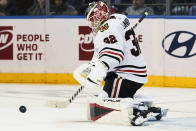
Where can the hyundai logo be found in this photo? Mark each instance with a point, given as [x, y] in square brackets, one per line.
[180, 44]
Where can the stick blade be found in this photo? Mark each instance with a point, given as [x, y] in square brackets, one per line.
[57, 104]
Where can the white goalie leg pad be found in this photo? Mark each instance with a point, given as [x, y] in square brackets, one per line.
[110, 110]
[103, 95]
[146, 100]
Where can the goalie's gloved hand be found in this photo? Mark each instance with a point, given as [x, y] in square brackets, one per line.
[90, 65]
[98, 73]
[86, 71]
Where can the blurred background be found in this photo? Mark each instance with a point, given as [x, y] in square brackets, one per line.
[77, 7]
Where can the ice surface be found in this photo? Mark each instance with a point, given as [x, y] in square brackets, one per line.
[181, 103]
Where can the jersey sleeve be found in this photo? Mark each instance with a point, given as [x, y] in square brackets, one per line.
[111, 55]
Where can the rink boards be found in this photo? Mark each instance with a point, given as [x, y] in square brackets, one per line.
[48, 49]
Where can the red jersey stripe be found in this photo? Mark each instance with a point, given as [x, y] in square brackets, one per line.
[116, 87]
[144, 71]
[110, 52]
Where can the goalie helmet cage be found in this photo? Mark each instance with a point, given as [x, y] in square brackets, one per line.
[108, 3]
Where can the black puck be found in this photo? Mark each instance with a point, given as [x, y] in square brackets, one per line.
[23, 109]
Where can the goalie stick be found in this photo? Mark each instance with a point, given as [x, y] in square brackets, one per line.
[64, 104]
[140, 20]
[80, 79]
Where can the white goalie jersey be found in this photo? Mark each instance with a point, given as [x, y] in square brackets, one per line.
[117, 46]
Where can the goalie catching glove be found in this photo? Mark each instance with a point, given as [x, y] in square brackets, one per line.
[92, 74]
[97, 73]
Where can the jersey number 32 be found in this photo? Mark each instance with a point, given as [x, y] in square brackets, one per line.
[129, 34]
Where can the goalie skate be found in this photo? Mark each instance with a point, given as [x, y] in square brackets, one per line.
[142, 116]
[161, 113]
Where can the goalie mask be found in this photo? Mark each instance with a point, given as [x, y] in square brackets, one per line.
[96, 14]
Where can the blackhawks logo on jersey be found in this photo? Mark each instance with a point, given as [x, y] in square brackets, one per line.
[104, 27]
